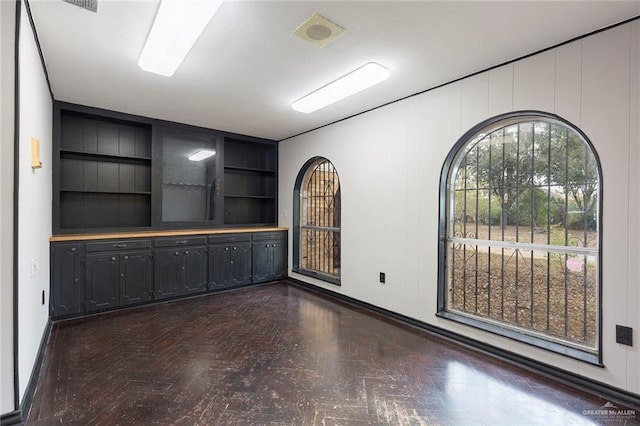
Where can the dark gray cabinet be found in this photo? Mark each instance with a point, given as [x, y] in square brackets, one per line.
[96, 275]
[167, 271]
[229, 261]
[117, 273]
[195, 270]
[269, 256]
[180, 266]
[102, 281]
[67, 279]
[136, 273]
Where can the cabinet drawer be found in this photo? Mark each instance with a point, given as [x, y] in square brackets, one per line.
[229, 238]
[179, 241]
[261, 236]
[117, 245]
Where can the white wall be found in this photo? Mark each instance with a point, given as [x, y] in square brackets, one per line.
[389, 161]
[34, 210]
[7, 64]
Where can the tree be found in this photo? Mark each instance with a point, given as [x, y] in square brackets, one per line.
[573, 167]
[506, 165]
[524, 167]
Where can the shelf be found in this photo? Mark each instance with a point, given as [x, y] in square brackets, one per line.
[74, 153]
[194, 185]
[247, 169]
[96, 210]
[264, 197]
[242, 154]
[82, 191]
[249, 210]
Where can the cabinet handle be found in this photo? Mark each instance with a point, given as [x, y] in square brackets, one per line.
[113, 259]
[226, 249]
[181, 242]
[120, 245]
[73, 249]
[126, 258]
[177, 253]
[267, 245]
[235, 248]
[186, 252]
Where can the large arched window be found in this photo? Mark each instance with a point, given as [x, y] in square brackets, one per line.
[520, 233]
[316, 233]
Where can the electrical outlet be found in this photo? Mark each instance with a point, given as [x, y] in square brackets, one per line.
[624, 335]
[33, 269]
[382, 277]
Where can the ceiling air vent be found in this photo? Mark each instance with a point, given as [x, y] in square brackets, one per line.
[318, 30]
[91, 5]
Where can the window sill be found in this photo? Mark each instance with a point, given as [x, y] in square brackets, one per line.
[571, 352]
[323, 277]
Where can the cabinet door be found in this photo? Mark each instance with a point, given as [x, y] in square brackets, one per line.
[219, 256]
[135, 277]
[194, 269]
[167, 272]
[102, 280]
[240, 264]
[67, 280]
[262, 260]
[279, 259]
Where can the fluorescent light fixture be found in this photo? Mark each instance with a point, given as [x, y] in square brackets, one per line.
[177, 26]
[202, 154]
[360, 79]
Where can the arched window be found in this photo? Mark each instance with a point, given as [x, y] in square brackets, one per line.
[316, 233]
[520, 233]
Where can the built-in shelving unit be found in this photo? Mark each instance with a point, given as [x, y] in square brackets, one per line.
[250, 183]
[116, 172]
[104, 172]
[139, 217]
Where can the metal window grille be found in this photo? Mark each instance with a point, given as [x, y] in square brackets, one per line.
[320, 220]
[522, 232]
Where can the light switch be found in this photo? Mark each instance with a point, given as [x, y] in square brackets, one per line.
[34, 268]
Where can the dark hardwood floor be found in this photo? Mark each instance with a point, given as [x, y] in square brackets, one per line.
[278, 354]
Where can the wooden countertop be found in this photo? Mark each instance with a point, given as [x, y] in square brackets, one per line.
[161, 233]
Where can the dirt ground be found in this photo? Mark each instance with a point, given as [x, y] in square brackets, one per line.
[536, 293]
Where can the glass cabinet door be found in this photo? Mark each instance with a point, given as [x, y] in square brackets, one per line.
[190, 177]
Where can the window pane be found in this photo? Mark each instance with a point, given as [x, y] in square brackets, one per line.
[188, 187]
[319, 220]
[320, 251]
[523, 232]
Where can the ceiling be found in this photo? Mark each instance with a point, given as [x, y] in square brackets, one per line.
[247, 67]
